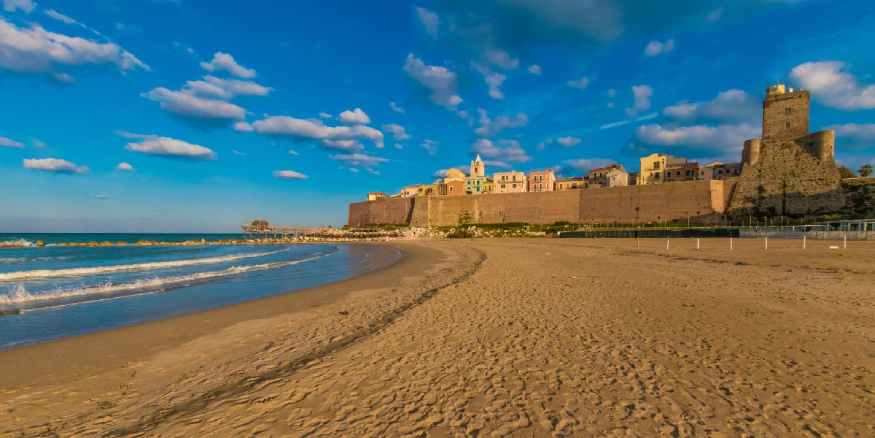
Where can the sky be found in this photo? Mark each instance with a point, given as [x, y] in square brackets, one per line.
[200, 115]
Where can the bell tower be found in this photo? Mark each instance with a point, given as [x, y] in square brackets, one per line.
[478, 168]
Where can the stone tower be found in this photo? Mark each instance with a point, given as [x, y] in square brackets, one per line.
[788, 171]
[785, 113]
[478, 168]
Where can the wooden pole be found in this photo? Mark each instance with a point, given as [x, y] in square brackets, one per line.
[730, 243]
[766, 240]
[697, 244]
[804, 241]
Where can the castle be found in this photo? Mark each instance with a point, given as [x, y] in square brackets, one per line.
[787, 171]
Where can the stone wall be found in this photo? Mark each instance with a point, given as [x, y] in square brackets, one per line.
[700, 201]
[392, 211]
[785, 115]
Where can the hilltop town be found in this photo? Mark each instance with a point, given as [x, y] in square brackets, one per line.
[788, 171]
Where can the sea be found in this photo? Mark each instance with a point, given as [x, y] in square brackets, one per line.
[50, 291]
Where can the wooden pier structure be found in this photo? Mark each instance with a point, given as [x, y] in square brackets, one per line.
[263, 229]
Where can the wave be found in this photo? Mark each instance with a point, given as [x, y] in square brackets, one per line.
[19, 243]
[96, 270]
[19, 298]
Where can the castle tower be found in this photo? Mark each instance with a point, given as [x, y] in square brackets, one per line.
[785, 113]
[478, 168]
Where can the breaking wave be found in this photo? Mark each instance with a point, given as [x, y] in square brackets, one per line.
[19, 298]
[20, 243]
[97, 270]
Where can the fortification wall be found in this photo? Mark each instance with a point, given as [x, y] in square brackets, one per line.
[393, 211]
[701, 201]
[651, 203]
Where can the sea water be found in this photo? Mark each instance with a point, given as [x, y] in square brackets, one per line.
[65, 291]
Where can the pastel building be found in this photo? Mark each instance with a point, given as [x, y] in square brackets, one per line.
[376, 196]
[719, 171]
[613, 175]
[509, 182]
[575, 183]
[476, 182]
[654, 168]
[541, 181]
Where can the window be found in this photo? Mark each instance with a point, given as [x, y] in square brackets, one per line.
[788, 110]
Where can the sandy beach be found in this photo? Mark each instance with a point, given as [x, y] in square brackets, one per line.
[512, 337]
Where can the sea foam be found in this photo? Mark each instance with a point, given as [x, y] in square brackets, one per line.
[97, 270]
[20, 298]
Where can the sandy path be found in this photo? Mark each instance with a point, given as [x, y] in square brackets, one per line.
[548, 337]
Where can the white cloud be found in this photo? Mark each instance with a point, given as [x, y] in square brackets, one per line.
[225, 88]
[167, 147]
[26, 6]
[225, 62]
[568, 141]
[489, 127]
[289, 174]
[585, 164]
[493, 81]
[316, 130]
[36, 50]
[397, 131]
[504, 150]
[431, 146]
[719, 137]
[124, 167]
[243, 127]
[429, 20]
[832, 84]
[729, 105]
[343, 145]
[355, 116]
[626, 122]
[535, 69]
[51, 13]
[39, 144]
[63, 78]
[187, 104]
[580, 84]
[325, 115]
[642, 95]
[397, 108]
[10, 143]
[501, 59]
[856, 135]
[440, 81]
[656, 48]
[359, 159]
[293, 152]
[55, 165]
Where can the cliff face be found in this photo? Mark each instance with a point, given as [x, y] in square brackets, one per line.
[790, 177]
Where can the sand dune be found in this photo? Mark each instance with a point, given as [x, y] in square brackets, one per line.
[533, 337]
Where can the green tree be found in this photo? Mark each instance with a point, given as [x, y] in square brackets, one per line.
[845, 172]
[866, 170]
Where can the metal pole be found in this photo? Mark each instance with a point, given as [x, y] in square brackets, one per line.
[730, 243]
[697, 244]
[845, 240]
[804, 241]
[767, 242]
[667, 243]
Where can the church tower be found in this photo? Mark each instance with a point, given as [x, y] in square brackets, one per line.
[478, 168]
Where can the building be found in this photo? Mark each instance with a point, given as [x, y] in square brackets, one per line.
[718, 170]
[785, 113]
[376, 196]
[476, 182]
[655, 169]
[608, 176]
[541, 180]
[681, 171]
[454, 175]
[418, 190]
[451, 188]
[576, 183]
[509, 182]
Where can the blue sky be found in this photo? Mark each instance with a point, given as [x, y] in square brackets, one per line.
[190, 115]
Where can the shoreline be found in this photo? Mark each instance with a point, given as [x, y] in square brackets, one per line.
[26, 364]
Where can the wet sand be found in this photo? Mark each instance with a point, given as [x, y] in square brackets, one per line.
[515, 337]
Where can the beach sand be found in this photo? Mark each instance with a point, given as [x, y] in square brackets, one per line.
[513, 337]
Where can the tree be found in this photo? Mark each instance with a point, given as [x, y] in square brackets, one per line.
[845, 172]
[866, 171]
